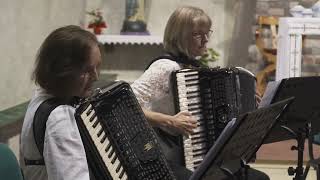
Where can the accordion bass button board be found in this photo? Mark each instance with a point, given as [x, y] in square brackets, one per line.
[119, 142]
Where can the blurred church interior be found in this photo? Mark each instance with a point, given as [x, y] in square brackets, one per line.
[245, 33]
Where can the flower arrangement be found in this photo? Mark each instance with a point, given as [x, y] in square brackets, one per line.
[97, 23]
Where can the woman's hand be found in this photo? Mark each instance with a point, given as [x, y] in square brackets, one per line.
[183, 122]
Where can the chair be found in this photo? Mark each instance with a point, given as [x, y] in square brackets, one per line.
[313, 162]
[9, 167]
[268, 51]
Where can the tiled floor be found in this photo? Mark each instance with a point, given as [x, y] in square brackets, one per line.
[279, 172]
[274, 159]
[281, 151]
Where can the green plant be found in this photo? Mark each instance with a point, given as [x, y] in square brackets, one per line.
[210, 56]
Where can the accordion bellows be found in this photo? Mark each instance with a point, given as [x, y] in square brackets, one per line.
[119, 142]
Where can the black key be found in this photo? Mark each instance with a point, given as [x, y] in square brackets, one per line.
[92, 118]
[100, 132]
[103, 138]
[193, 96]
[191, 92]
[89, 111]
[192, 84]
[113, 159]
[95, 124]
[197, 162]
[108, 147]
[121, 173]
[111, 153]
[118, 168]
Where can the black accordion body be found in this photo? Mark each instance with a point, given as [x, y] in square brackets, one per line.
[118, 141]
[214, 97]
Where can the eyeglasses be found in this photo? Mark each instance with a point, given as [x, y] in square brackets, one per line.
[91, 71]
[200, 36]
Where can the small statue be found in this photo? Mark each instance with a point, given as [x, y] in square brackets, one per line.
[134, 22]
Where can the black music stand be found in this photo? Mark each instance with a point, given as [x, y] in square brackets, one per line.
[238, 143]
[301, 119]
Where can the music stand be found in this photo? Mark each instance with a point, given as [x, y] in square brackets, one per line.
[239, 142]
[301, 119]
[304, 109]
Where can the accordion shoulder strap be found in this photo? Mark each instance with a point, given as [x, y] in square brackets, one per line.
[39, 126]
[181, 59]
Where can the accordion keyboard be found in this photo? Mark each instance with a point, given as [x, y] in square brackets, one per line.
[119, 142]
[103, 144]
[189, 100]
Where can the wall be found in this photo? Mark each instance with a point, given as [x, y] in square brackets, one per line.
[158, 12]
[24, 25]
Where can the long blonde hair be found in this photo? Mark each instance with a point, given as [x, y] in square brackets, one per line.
[178, 31]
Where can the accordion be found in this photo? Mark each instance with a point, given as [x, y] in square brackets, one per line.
[214, 97]
[118, 141]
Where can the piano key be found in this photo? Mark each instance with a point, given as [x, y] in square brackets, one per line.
[195, 148]
[185, 81]
[121, 173]
[198, 136]
[111, 153]
[199, 153]
[191, 100]
[195, 112]
[188, 96]
[187, 72]
[87, 111]
[115, 165]
[118, 168]
[98, 141]
[94, 130]
[92, 120]
[197, 141]
[194, 91]
[102, 148]
[197, 160]
[183, 88]
[95, 124]
[190, 76]
[108, 147]
[103, 138]
[194, 104]
[195, 107]
[100, 132]
[113, 159]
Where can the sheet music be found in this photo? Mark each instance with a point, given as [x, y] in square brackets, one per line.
[269, 93]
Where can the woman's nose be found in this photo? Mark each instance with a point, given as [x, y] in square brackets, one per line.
[95, 75]
[205, 38]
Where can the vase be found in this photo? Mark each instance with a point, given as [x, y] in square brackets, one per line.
[97, 30]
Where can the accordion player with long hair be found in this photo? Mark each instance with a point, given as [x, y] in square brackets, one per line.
[186, 35]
